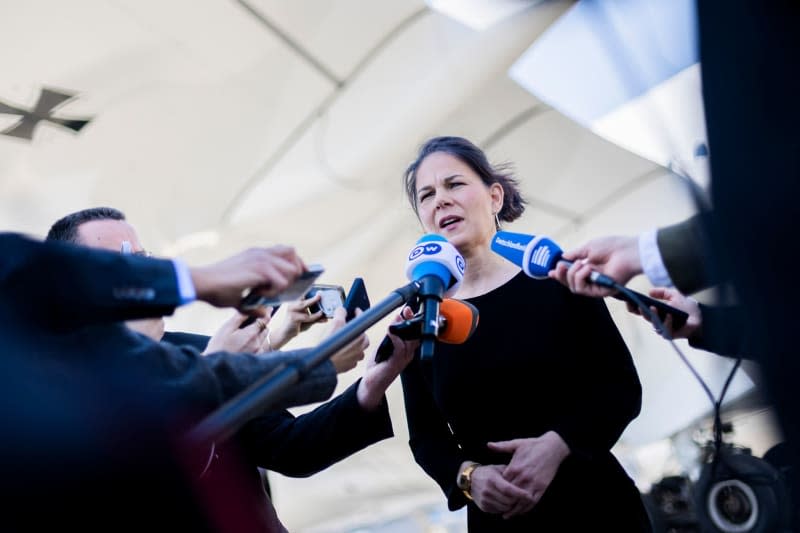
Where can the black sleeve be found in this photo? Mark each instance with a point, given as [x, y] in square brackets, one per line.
[304, 445]
[238, 371]
[687, 254]
[606, 393]
[72, 286]
[196, 384]
[198, 342]
[723, 332]
[434, 447]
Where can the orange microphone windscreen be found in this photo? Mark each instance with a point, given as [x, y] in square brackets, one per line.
[460, 321]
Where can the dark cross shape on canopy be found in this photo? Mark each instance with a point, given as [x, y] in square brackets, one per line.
[49, 100]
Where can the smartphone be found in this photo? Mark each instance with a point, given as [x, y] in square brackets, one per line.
[357, 298]
[663, 309]
[249, 320]
[332, 298]
[294, 292]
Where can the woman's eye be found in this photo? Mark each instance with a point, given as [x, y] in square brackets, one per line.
[424, 197]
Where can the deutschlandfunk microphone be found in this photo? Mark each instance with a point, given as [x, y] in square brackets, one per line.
[538, 255]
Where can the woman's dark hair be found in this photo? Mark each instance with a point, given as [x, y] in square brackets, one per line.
[513, 203]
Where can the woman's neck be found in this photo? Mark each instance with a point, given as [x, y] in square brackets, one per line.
[485, 271]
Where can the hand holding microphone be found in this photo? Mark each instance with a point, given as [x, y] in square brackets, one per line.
[457, 323]
[539, 256]
[379, 374]
[618, 257]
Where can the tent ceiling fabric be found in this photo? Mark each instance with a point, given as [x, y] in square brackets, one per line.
[223, 124]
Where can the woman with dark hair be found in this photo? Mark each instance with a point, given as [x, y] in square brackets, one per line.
[517, 422]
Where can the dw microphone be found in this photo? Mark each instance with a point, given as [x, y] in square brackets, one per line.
[439, 269]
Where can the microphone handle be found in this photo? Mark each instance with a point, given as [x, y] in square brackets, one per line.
[678, 317]
[430, 328]
[408, 331]
[385, 350]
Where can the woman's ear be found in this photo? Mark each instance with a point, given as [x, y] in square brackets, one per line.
[497, 194]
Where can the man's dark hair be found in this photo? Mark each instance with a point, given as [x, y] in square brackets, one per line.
[66, 229]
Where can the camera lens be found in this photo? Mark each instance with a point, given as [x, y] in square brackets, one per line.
[733, 506]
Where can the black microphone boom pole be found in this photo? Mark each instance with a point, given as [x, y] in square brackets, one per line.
[232, 415]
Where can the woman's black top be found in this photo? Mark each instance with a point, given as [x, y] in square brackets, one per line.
[540, 359]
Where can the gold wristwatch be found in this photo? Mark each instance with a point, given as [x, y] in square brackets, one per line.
[464, 479]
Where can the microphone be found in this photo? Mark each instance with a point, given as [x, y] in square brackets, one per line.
[438, 267]
[538, 255]
[457, 322]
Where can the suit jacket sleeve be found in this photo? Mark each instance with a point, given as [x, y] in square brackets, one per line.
[724, 332]
[72, 286]
[180, 338]
[686, 253]
[232, 373]
[304, 445]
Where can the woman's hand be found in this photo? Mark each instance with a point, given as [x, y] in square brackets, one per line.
[348, 357]
[533, 466]
[296, 320]
[250, 339]
[493, 493]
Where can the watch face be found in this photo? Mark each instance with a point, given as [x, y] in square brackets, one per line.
[463, 481]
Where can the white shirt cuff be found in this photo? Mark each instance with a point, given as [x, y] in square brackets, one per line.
[185, 285]
[652, 264]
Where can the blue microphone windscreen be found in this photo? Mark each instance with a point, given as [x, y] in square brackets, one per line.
[430, 268]
[511, 245]
[434, 255]
[542, 257]
[431, 237]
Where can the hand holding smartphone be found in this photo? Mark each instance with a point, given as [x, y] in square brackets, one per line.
[295, 291]
[333, 297]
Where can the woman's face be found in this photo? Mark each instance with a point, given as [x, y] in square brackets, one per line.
[453, 201]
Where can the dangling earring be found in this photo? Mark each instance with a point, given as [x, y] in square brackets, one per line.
[496, 221]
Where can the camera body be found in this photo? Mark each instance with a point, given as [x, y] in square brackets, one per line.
[735, 493]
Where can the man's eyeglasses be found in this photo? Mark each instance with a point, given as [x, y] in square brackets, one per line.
[127, 249]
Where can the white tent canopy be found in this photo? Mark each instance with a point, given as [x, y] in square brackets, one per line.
[221, 124]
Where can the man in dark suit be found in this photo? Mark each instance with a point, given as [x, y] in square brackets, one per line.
[60, 307]
[279, 441]
[749, 52]
[108, 229]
